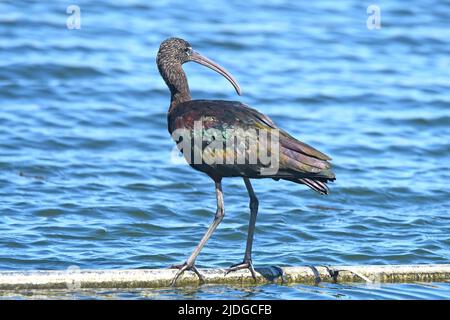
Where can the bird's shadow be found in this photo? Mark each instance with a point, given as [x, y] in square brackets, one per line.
[275, 273]
[272, 273]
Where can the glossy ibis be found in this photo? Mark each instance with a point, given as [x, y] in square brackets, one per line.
[296, 161]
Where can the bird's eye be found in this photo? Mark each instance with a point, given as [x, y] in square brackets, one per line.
[188, 50]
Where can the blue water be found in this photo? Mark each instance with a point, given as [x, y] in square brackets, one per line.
[85, 175]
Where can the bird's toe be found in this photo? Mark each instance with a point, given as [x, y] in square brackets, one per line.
[246, 264]
[182, 268]
[177, 266]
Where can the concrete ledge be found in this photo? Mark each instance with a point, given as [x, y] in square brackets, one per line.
[73, 279]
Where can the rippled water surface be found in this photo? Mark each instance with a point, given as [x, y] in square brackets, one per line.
[85, 171]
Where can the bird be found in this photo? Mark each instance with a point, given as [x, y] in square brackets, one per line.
[217, 122]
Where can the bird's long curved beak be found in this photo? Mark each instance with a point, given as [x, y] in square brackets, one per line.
[197, 57]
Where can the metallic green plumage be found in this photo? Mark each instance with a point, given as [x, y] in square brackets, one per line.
[297, 160]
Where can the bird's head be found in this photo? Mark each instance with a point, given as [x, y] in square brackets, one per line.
[175, 51]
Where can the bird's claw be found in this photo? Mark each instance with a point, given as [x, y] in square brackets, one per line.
[246, 264]
[181, 269]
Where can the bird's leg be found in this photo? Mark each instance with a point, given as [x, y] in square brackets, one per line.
[247, 263]
[189, 264]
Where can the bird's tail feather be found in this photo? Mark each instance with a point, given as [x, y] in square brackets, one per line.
[316, 185]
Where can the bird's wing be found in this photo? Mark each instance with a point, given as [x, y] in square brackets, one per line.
[296, 159]
[299, 162]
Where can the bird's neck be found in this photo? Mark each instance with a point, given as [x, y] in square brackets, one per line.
[176, 80]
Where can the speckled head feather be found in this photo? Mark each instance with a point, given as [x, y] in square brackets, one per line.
[173, 52]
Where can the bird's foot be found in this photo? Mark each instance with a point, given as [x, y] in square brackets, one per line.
[246, 264]
[182, 268]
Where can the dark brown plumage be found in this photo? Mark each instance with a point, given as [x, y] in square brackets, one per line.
[297, 161]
